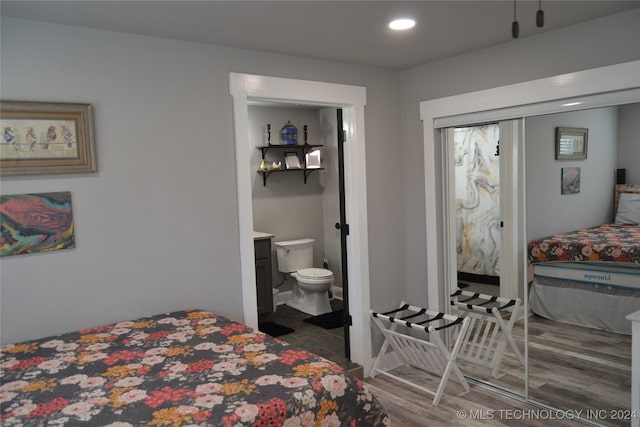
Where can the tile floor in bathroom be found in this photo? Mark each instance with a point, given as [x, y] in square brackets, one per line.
[328, 343]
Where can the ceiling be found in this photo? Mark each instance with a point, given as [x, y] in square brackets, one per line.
[339, 30]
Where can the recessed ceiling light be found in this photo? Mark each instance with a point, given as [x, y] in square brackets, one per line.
[402, 24]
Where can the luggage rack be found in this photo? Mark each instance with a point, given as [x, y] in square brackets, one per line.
[486, 339]
[426, 353]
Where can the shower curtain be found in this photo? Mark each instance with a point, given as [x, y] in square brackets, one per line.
[477, 187]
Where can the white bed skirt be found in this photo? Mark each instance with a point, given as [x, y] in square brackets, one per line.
[585, 304]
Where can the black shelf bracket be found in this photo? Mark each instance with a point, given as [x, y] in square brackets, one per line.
[306, 172]
[265, 175]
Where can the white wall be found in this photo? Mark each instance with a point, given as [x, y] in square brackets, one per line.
[597, 43]
[629, 141]
[156, 226]
[549, 211]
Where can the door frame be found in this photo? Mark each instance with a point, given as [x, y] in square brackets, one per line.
[511, 187]
[598, 87]
[352, 99]
[343, 226]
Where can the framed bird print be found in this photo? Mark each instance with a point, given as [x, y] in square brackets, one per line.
[41, 138]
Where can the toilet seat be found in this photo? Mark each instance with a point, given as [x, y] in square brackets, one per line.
[320, 274]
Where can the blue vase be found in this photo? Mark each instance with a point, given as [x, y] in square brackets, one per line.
[289, 134]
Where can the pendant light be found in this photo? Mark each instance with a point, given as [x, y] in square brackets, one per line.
[540, 15]
[515, 27]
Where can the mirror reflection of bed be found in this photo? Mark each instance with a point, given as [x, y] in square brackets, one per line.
[583, 284]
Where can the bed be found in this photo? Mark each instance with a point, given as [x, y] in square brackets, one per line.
[590, 277]
[183, 368]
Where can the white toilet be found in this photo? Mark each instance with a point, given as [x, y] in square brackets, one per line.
[311, 292]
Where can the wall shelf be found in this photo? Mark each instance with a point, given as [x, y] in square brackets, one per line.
[307, 172]
[301, 151]
[304, 148]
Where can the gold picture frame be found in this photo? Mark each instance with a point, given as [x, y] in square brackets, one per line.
[42, 138]
[571, 143]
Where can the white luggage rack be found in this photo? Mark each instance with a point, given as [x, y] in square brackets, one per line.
[429, 353]
[486, 338]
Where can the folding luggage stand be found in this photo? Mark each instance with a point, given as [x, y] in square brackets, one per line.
[429, 354]
[488, 334]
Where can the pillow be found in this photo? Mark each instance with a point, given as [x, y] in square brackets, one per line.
[628, 209]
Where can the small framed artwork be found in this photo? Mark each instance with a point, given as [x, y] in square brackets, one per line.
[312, 160]
[36, 223]
[570, 180]
[571, 143]
[41, 138]
[291, 160]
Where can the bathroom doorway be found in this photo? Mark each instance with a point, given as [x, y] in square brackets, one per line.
[480, 207]
[247, 89]
[474, 153]
[297, 201]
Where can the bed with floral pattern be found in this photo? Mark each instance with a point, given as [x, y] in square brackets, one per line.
[183, 368]
[591, 276]
[608, 242]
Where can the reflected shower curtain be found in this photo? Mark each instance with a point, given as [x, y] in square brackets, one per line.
[477, 179]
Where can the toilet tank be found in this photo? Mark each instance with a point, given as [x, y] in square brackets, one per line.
[294, 255]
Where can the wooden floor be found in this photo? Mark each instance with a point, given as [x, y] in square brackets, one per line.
[581, 370]
[592, 368]
[570, 367]
[477, 407]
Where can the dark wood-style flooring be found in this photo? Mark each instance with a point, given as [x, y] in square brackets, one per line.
[328, 343]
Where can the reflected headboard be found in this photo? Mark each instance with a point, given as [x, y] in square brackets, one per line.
[625, 188]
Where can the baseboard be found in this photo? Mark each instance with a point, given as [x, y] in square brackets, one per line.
[336, 292]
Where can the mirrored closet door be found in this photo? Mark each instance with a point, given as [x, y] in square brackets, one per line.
[579, 341]
[505, 187]
[482, 274]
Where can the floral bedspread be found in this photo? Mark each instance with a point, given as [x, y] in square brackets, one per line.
[608, 242]
[182, 368]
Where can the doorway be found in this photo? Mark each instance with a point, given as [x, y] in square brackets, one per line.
[247, 87]
[298, 201]
[474, 159]
[481, 177]
[482, 183]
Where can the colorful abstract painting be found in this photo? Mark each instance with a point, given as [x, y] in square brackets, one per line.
[570, 180]
[32, 223]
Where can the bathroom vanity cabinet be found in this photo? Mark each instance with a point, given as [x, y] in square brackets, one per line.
[262, 248]
[281, 150]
